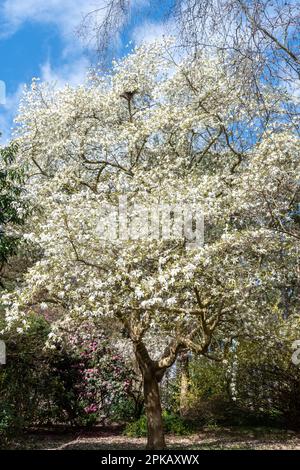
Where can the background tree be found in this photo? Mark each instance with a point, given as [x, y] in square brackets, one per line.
[263, 34]
[12, 204]
[256, 39]
[101, 26]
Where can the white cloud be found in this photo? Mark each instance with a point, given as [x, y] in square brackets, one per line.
[73, 73]
[66, 14]
[151, 31]
[8, 112]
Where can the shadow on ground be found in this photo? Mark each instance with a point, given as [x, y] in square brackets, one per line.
[111, 438]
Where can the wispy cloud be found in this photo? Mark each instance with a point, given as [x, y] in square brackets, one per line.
[7, 113]
[149, 31]
[66, 14]
[73, 73]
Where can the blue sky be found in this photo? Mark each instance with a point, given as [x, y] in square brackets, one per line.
[38, 39]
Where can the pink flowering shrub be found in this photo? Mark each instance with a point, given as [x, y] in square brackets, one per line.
[103, 380]
[80, 382]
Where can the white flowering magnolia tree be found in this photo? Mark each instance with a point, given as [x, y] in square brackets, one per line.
[160, 132]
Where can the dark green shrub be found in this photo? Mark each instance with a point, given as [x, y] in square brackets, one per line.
[6, 420]
[137, 428]
[173, 424]
[128, 408]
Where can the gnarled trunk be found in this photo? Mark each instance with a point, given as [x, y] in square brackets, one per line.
[151, 377]
[156, 438]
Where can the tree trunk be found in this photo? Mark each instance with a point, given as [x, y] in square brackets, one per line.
[184, 383]
[156, 438]
[151, 377]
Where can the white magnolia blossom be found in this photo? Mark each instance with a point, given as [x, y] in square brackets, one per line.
[171, 133]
